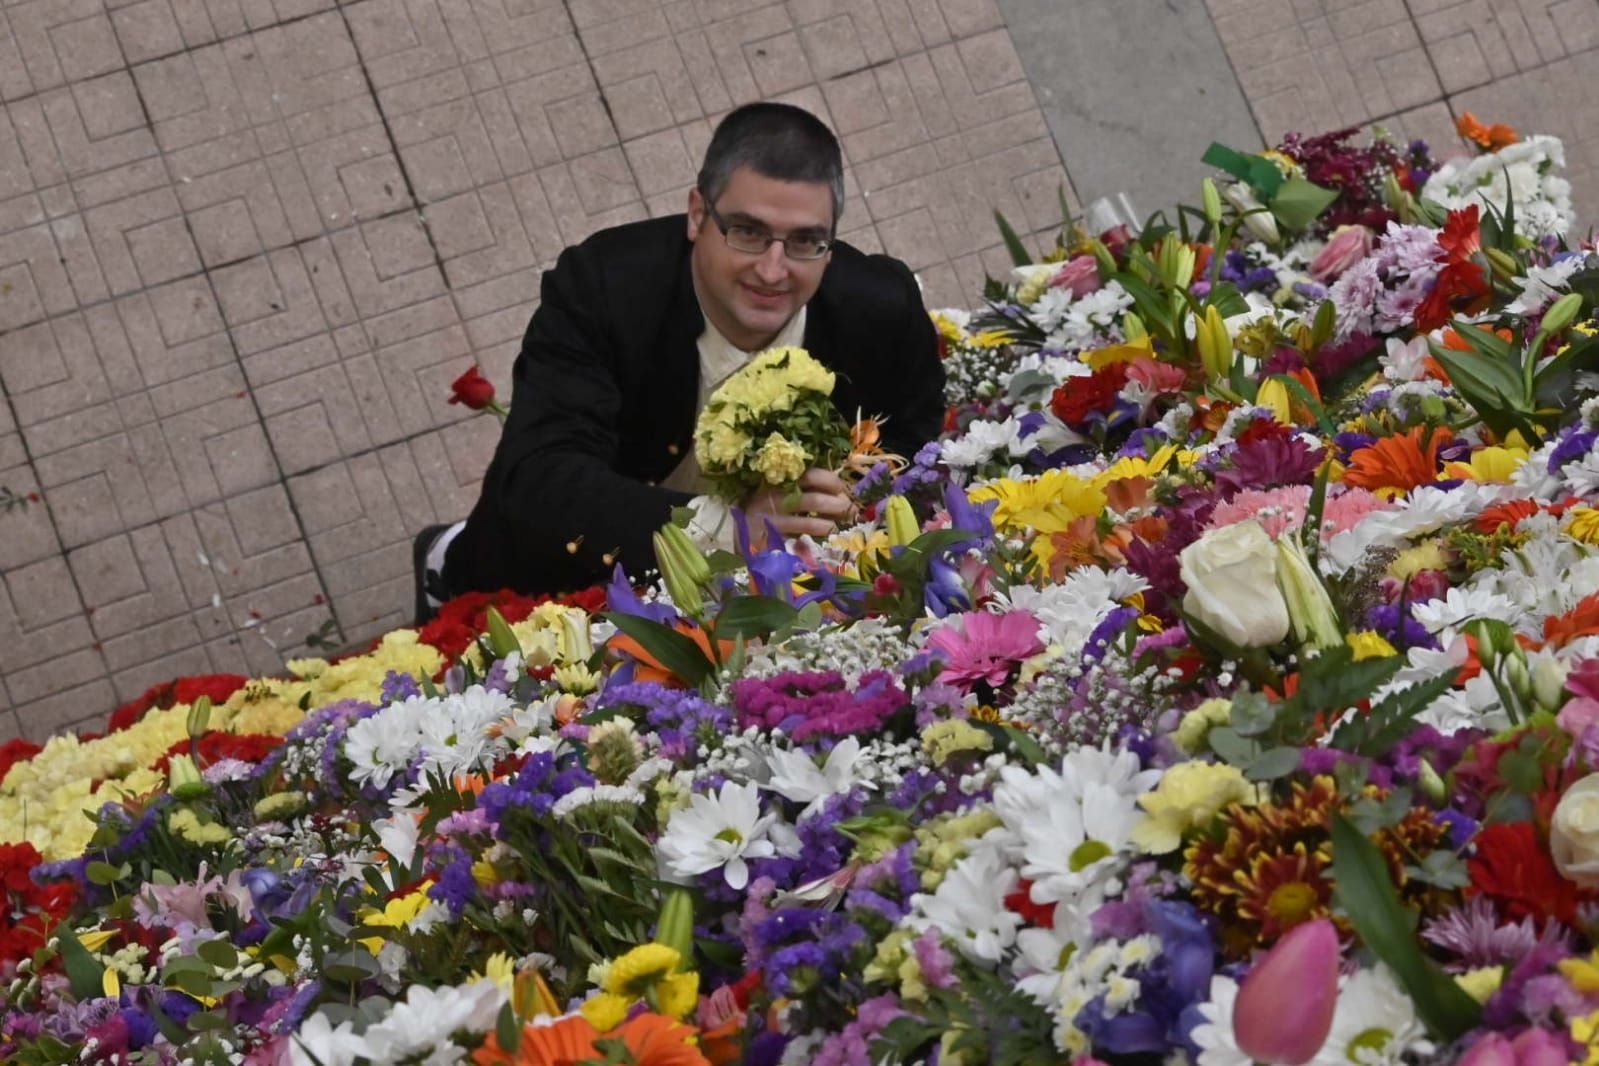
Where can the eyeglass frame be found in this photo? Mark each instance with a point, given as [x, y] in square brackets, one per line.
[771, 238]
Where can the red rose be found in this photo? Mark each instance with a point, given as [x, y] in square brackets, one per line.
[472, 390]
[1079, 398]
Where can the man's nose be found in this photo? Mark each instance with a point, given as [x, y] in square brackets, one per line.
[772, 266]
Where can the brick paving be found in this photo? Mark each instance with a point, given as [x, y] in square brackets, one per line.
[245, 245]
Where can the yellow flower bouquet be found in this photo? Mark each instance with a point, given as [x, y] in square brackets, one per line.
[768, 423]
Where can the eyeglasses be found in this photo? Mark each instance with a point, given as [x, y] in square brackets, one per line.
[755, 240]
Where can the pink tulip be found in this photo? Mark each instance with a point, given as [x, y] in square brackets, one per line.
[1534, 1047]
[1080, 274]
[1285, 1006]
[1348, 246]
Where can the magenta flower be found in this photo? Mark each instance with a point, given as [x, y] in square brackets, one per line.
[1285, 1006]
[978, 646]
[1534, 1047]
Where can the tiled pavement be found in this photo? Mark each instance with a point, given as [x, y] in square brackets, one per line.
[245, 245]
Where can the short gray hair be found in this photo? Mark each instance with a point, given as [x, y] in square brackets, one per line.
[776, 141]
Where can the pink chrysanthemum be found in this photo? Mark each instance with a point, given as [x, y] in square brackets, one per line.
[978, 646]
[1344, 510]
[1277, 509]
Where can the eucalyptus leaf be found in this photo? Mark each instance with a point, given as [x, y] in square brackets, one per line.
[1270, 765]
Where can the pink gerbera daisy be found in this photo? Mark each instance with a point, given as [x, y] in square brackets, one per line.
[978, 646]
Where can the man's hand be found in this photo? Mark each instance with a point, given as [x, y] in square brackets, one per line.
[823, 501]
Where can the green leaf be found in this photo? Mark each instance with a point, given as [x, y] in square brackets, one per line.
[218, 953]
[1387, 928]
[1390, 720]
[506, 1030]
[1554, 384]
[667, 646]
[1252, 714]
[1231, 747]
[103, 873]
[1278, 762]
[1013, 244]
[753, 616]
[1313, 512]
[1298, 202]
[1329, 683]
[85, 975]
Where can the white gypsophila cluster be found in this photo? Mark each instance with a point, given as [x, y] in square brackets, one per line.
[1524, 174]
[870, 644]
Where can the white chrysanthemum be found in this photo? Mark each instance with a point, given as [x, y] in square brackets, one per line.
[322, 1043]
[969, 907]
[1214, 1037]
[723, 832]
[427, 1017]
[1461, 605]
[454, 739]
[1375, 1023]
[1425, 510]
[1523, 173]
[385, 743]
[1543, 285]
[984, 440]
[795, 775]
[1068, 612]
[1474, 705]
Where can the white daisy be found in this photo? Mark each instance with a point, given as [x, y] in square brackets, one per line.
[723, 832]
[1218, 1046]
[1375, 1023]
[427, 1017]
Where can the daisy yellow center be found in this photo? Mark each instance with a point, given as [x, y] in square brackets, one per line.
[731, 836]
[1292, 903]
[1087, 853]
[1374, 1040]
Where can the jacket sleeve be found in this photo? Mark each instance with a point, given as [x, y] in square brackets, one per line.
[916, 414]
[556, 476]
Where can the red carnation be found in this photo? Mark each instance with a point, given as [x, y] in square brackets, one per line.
[1080, 398]
[1039, 915]
[473, 390]
[15, 751]
[1513, 867]
[28, 910]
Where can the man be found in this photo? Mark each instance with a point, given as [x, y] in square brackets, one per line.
[636, 327]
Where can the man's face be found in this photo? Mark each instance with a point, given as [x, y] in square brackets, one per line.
[750, 296]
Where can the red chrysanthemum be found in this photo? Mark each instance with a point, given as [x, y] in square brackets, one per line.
[1514, 869]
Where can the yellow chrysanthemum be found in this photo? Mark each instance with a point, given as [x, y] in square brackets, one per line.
[1582, 523]
[1369, 644]
[636, 972]
[606, 1011]
[678, 994]
[1428, 555]
[186, 824]
[944, 739]
[1189, 795]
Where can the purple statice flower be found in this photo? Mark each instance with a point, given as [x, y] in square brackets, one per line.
[399, 686]
[1310, 291]
[1477, 937]
[1574, 444]
[1385, 619]
[852, 1045]
[1109, 629]
[938, 968]
[922, 471]
[455, 886]
[535, 789]
[680, 719]
[885, 887]
[820, 703]
[927, 792]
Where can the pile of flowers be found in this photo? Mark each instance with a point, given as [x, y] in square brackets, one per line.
[1222, 687]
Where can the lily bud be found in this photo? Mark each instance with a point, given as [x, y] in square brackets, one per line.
[1432, 786]
[1562, 313]
[1174, 261]
[1310, 609]
[685, 593]
[1503, 263]
[576, 645]
[1260, 223]
[1284, 1009]
[1212, 197]
[1133, 327]
[1549, 682]
[1273, 395]
[901, 520]
[1215, 345]
[183, 778]
[676, 926]
[199, 722]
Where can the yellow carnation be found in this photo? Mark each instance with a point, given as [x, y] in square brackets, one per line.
[719, 444]
[187, 825]
[1190, 794]
[1197, 724]
[780, 461]
[944, 739]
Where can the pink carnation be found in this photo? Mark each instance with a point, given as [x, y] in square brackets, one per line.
[1345, 510]
[1277, 509]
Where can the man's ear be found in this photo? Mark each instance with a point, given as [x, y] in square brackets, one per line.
[696, 213]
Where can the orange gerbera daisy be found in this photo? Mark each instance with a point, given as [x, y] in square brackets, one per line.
[651, 1040]
[1581, 621]
[1492, 137]
[1398, 464]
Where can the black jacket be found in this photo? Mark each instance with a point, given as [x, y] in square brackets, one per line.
[604, 393]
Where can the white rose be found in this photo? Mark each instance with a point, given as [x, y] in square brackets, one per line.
[1231, 575]
[1574, 833]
